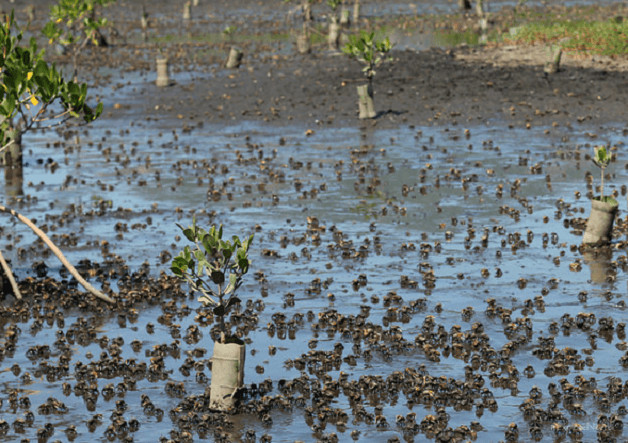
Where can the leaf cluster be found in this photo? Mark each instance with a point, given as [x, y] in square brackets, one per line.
[368, 50]
[75, 22]
[601, 157]
[213, 266]
[29, 85]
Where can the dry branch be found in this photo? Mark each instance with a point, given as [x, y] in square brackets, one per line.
[41, 234]
[9, 273]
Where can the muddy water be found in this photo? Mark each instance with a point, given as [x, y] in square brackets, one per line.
[345, 219]
[402, 201]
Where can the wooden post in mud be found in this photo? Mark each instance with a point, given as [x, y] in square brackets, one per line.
[162, 72]
[187, 13]
[552, 65]
[303, 40]
[234, 59]
[464, 5]
[366, 106]
[333, 38]
[356, 11]
[195, 3]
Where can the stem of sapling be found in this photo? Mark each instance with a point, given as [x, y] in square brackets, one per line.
[602, 184]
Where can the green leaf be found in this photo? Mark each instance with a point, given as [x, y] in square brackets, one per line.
[601, 157]
[243, 264]
[210, 244]
[189, 234]
[180, 263]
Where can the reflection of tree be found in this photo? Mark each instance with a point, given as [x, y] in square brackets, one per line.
[599, 262]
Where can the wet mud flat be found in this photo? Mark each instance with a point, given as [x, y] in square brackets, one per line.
[414, 277]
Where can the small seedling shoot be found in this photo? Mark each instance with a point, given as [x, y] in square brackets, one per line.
[601, 158]
[213, 267]
[229, 31]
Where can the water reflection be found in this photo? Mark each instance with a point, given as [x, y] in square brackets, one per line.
[599, 262]
[13, 170]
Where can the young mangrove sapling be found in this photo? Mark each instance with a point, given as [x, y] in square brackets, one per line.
[371, 52]
[213, 267]
[599, 228]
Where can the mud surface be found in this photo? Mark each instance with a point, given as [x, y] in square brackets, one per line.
[418, 276]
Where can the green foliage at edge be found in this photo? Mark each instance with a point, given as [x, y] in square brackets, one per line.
[29, 85]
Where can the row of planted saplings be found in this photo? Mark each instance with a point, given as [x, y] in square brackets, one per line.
[364, 47]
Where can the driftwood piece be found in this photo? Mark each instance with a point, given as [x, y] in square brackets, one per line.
[9, 274]
[41, 234]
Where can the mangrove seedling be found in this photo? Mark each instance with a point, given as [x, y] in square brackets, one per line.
[599, 229]
[602, 159]
[214, 268]
[371, 52]
[229, 31]
[75, 23]
[235, 54]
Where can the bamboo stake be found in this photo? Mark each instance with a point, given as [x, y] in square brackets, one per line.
[41, 234]
[7, 271]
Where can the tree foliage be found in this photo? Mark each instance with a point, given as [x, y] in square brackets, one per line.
[214, 267]
[75, 23]
[368, 50]
[30, 86]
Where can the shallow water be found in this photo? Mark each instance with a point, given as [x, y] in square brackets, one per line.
[379, 188]
[335, 168]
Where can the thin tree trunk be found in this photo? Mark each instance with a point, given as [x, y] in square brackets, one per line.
[41, 234]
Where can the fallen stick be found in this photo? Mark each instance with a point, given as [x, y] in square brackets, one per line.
[41, 234]
[9, 273]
